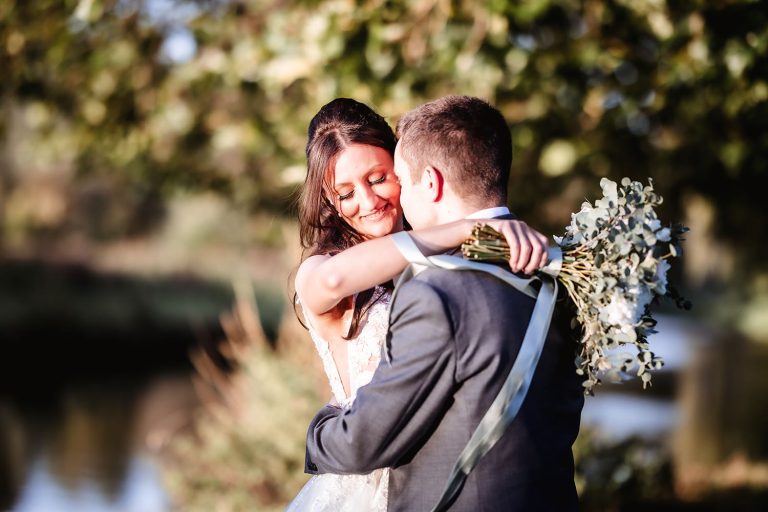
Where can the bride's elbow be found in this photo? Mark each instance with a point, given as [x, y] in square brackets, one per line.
[331, 282]
[320, 295]
[330, 289]
[318, 285]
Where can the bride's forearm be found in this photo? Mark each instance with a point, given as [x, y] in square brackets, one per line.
[321, 285]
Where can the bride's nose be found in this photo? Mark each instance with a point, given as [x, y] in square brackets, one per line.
[368, 200]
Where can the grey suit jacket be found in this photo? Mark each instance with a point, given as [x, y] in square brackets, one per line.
[453, 338]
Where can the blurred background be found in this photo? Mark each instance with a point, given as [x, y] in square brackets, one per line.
[150, 155]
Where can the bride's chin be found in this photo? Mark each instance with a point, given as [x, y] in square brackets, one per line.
[378, 233]
[382, 228]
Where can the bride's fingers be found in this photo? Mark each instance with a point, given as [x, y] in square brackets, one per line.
[545, 254]
[512, 241]
[537, 249]
[525, 247]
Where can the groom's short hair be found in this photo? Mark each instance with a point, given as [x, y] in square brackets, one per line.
[466, 139]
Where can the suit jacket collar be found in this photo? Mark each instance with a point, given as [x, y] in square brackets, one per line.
[489, 213]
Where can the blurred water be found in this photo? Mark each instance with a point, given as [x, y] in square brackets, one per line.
[91, 447]
[618, 416]
[95, 380]
[140, 491]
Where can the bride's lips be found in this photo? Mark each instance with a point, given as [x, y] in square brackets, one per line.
[378, 214]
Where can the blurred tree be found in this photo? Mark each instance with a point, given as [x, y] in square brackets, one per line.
[117, 106]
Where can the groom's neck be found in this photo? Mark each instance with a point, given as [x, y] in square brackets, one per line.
[457, 210]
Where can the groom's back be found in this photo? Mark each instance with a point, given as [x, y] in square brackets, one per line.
[531, 467]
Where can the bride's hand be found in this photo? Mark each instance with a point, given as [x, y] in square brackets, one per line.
[527, 247]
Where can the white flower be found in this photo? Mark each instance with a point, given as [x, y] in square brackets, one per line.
[660, 286]
[620, 311]
[609, 187]
[663, 235]
[654, 225]
[642, 297]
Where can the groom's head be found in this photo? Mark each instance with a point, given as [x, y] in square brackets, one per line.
[453, 157]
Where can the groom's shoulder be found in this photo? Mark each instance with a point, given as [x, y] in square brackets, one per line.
[464, 296]
[465, 283]
[440, 277]
[431, 286]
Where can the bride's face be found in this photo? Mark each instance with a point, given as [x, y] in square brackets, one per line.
[366, 191]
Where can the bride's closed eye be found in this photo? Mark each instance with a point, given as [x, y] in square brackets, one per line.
[371, 182]
[378, 180]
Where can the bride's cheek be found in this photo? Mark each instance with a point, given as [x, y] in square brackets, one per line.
[347, 211]
[393, 191]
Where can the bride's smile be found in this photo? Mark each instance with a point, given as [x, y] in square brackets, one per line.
[378, 214]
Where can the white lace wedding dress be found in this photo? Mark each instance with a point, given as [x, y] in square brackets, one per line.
[350, 493]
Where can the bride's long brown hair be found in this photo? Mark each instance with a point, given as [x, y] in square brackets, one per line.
[337, 125]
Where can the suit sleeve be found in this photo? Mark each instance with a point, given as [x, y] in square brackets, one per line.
[393, 414]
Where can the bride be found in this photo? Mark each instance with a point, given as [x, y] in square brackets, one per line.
[350, 202]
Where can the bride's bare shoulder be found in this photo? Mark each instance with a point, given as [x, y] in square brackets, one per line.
[306, 270]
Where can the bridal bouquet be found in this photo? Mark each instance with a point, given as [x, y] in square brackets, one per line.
[615, 258]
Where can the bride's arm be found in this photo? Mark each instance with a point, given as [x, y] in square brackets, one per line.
[322, 281]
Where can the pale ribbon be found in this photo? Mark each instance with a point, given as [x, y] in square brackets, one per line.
[512, 394]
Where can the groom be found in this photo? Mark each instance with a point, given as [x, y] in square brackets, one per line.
[453, 337]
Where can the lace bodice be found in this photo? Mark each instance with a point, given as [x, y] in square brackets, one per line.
[363, 351]
[330, 492]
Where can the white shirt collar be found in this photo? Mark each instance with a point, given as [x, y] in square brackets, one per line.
[489, 213]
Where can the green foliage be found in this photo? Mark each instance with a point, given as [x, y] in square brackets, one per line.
[675, 91]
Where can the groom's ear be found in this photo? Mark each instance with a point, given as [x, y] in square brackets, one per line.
[433, 182]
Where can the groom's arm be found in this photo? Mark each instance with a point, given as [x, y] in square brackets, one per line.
[406, 398]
